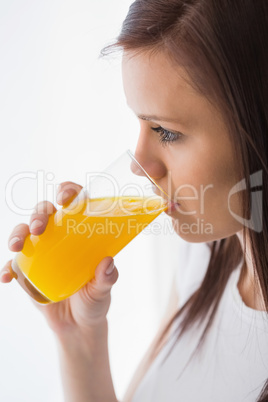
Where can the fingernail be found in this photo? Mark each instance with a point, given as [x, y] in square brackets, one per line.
[36, 224]
[13, 241]
[60, 198]
[110, 269]
[63, 196]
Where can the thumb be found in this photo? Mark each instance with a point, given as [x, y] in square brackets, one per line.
[106, 275]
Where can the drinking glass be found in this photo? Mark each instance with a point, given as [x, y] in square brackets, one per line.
[112, 208]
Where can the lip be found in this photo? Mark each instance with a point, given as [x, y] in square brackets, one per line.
[172, 207]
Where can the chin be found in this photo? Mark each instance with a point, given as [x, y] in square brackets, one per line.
[199, 231]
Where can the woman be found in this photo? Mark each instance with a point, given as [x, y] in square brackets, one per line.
[195, 73]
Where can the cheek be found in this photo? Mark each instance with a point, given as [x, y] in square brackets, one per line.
[202, 179]
[204, 214]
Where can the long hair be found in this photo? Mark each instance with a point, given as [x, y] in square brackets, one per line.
[223, 45]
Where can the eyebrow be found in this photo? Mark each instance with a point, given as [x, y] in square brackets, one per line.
[158, 118]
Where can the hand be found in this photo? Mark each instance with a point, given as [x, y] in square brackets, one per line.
[88, 307]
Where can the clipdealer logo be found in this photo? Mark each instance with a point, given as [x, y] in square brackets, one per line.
[255, 222]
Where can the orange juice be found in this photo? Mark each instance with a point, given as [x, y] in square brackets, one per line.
[57, 263]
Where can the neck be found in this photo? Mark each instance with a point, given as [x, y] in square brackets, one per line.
[248, 284]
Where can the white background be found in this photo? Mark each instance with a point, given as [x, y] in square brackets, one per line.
[62, 114]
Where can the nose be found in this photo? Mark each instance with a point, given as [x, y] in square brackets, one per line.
[151, 167]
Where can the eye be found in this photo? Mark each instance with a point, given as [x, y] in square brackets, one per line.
[166, 136]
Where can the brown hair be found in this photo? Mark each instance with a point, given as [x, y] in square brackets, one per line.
[223, 46]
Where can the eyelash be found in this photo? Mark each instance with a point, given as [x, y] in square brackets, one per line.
[166, 136]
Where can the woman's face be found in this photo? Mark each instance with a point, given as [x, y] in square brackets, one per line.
[184, 146]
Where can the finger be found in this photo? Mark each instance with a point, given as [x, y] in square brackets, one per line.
[7, 274]
[106, 276]
[39, 218]
[17, 237]
[67, 191]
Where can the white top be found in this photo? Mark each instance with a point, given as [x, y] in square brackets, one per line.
[233, 364]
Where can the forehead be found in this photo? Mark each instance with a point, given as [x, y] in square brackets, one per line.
[154, 85]
[157, 64]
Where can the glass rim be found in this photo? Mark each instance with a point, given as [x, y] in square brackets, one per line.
[130, 153]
